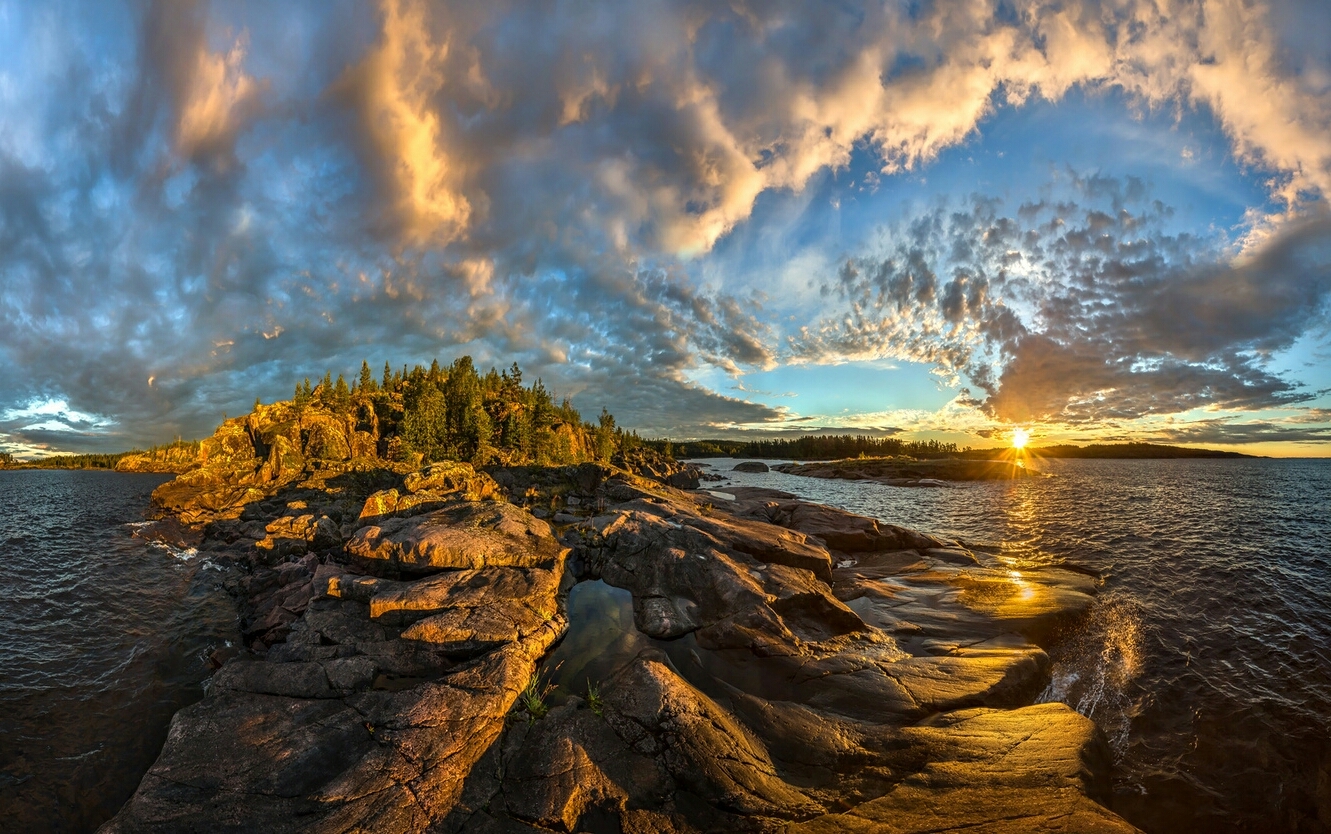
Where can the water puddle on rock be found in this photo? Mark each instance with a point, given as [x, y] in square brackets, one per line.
[601, 639]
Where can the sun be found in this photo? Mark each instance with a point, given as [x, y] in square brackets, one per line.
[1019, 438]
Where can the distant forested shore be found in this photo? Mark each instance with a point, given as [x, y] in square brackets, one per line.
[105, 460]
[836, 447]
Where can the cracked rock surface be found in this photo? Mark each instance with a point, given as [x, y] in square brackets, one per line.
[795, 668]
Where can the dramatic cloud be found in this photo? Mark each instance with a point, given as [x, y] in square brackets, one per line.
[1069, 313]
[222, 198]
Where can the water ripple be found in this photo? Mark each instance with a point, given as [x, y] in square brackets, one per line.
[104, 637]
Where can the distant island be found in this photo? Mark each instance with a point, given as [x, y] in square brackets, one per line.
[1126, 451]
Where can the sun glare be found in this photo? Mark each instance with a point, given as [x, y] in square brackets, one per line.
[1019, 438]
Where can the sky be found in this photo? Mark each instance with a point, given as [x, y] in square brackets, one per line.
[1100, 220]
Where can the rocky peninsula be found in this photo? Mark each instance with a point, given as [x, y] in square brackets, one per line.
[911, 472]
[804, 669]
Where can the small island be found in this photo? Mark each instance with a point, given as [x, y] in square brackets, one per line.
[403, 554]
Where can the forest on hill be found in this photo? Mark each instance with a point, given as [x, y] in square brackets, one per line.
[454, 412]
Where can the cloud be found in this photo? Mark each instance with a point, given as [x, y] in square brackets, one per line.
[1082, 312]
[1229, 432]
[393, 88]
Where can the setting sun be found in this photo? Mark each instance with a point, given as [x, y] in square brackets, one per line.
[1019, 438]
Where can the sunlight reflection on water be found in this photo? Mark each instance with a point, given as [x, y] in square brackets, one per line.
[1208, 660]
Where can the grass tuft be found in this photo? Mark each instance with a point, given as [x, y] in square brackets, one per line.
[594, 701]
[532, 698]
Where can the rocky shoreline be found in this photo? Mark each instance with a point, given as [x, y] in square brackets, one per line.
[808, 670]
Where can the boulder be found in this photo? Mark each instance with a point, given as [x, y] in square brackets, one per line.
[364, 445]
[230, 444]
[687, 571]
[324, 436]
[465, 534]
[751, 466]
[449, 477]
[296, 535]
[660, 468]
[284, 460]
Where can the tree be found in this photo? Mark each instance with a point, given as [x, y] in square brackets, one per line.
[425, 427]
[341, 395]
[366, 378]
[469, 426]
[605, 436]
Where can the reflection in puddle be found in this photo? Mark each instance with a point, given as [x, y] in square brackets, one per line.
[601, 638]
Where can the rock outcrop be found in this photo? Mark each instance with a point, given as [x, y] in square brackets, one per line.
[649, 464]
[800, 669]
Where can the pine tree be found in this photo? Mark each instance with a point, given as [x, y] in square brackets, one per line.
[366, 378]
[341, 394]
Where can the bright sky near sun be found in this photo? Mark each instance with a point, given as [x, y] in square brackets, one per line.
[1095, 220]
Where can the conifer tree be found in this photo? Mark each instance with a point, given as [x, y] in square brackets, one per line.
[341, 394]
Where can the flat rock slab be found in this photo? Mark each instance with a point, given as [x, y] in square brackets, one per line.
[950, 603]
[837, 529]
[1021, 770]
[468, 534]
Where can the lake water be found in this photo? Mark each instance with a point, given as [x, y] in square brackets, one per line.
[103, 636]
[1208, 661]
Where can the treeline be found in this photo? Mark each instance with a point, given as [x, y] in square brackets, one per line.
[456, 413]
[95, 461]
[105, 460]
[810, 447]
